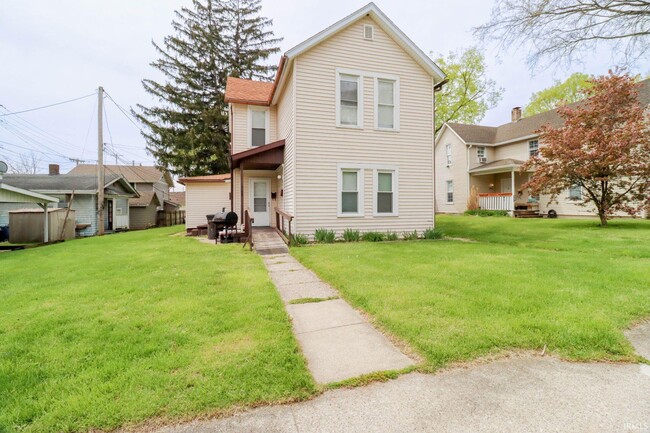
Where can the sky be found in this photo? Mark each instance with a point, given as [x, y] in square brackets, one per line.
[53, 51]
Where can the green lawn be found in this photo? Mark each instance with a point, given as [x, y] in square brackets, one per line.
[103, 332]
[522, 284]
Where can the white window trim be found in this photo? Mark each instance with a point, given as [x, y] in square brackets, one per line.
[267, 124]
[359, 76]
[529, 149]
[478, 155]
[371, 31]
[339, 189]
[573, 200]
[447, 191]
[396, 106]
[448, 156]
[375, 190]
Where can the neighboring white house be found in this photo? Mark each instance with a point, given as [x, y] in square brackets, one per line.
[205, 195]
[344, 137]
[490, 158]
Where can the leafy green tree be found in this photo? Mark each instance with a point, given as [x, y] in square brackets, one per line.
[573, 89]
[469, 93]
[187, 130]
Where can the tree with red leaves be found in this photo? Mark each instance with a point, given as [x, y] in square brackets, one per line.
[603, 147]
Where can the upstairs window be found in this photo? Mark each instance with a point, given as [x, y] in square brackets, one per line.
[575, 192]
[480, 153]
[258, 127]
[349, 100]
[448, 152]
[386, 98]
[368, 32]
[533, 147]
[450, 191]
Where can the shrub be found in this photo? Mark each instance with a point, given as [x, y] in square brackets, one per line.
[324, 236]
[487, 213]
[391, 236]
[350, 235]
[300, 239]
[373, 236]
[410, 236]
[432, 233]
[472, 200]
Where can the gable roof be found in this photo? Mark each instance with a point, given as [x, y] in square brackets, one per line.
[177, 197]
[132, 173]
[209, 178]
[250, 92]
[265, 93]
[386, 24]
[527, 126]
[65, 183]
[145, 199]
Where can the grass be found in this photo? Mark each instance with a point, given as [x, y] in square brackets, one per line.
[566, 284]
[103, 332]
[311, 300]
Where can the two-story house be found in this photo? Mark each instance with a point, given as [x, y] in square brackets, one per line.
[152, 184]
[489, 159]
[343, 137]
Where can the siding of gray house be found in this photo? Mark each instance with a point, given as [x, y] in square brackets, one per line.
[143, 217]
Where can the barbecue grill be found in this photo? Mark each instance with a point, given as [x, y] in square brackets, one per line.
[226, 221]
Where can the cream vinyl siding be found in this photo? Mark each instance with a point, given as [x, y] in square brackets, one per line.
[517, 150]
[321, 146]
[205, 198]
[286, 130]
[240, 125]
[457, 172]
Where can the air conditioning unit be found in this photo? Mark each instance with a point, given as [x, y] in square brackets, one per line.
[482, 160]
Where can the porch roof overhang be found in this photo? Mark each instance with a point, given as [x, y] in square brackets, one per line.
[267, 157]
[498, 166]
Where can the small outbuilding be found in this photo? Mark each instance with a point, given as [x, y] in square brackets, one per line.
[205, 195]
[28, 225]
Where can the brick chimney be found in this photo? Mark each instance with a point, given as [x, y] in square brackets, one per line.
[516, 114]
[54, 169]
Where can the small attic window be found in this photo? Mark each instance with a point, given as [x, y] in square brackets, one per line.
[368, 32]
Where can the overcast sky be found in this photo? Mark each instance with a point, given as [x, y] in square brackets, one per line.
[53, 51]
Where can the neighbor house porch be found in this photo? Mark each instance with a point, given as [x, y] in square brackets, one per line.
[500, 187]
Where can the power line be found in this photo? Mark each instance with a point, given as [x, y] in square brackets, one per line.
[47, 106]
[124, 112]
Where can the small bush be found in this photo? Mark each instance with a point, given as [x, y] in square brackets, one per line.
[391, 236]
[373, 236]
[350, 235]
[300, 239]
[410, 236]
[432, 233]
[487, 213]
[324, 236]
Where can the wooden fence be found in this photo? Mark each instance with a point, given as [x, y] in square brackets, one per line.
[172, 218]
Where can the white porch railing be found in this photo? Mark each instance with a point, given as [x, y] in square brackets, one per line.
[495, 201]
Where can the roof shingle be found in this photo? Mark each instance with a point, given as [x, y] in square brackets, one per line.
[248, 91]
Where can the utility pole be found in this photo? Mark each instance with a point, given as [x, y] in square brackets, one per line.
[100, 161]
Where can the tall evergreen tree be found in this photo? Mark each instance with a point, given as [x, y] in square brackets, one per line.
[187, 132]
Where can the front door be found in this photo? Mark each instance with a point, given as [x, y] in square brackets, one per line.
[506, 185]
[260, 201]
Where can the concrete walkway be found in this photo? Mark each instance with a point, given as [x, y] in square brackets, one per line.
[511, 395]
[336, 340]
[267, 241]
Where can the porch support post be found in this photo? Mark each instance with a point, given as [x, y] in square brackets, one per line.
[512, 188]
[241, 189]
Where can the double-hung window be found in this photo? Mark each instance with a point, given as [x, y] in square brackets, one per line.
[386, 101]
[349, 193]
[258, 127]
[448, 152]
[480, 153]
[385, 203]
[533, 147]
[450, 191]
[575, 192]
[349, 107]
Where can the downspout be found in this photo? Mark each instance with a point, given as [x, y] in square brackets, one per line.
[469, 176]
[436, 89]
